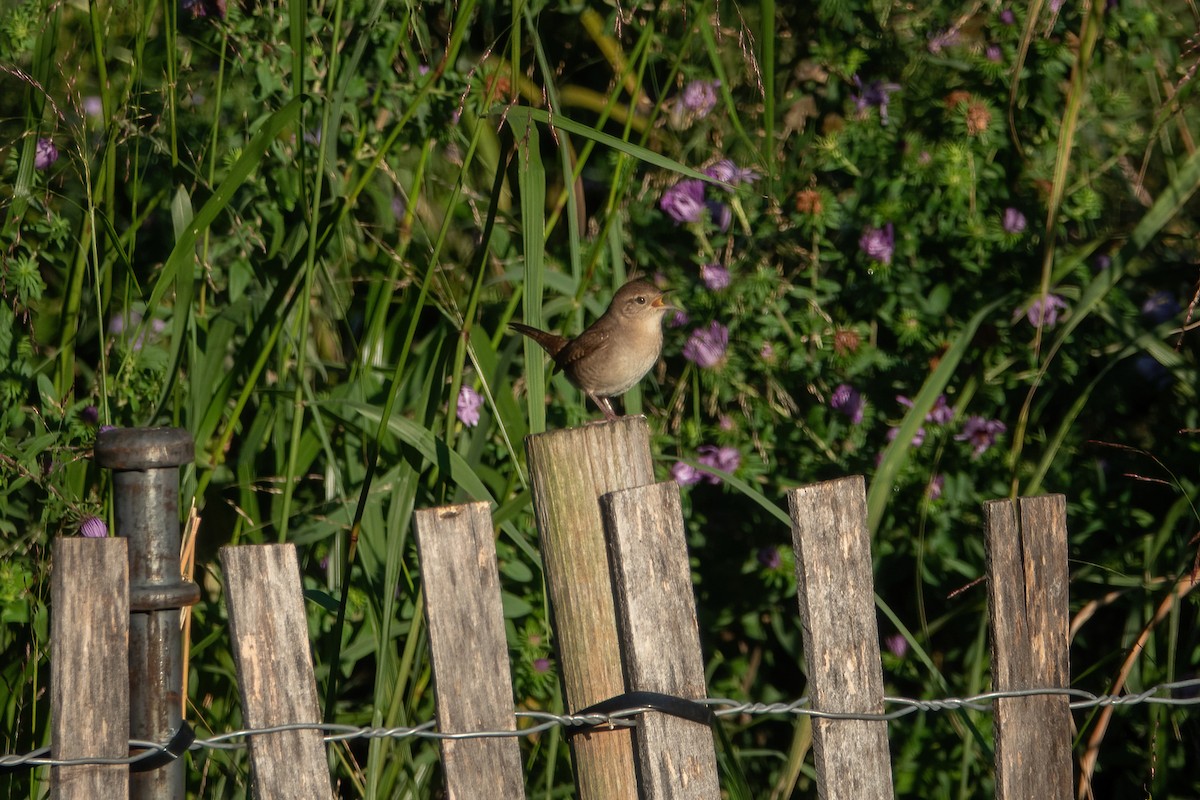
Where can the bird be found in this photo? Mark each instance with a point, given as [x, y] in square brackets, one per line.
[616, 350]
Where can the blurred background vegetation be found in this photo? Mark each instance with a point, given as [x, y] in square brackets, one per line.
[953, 248]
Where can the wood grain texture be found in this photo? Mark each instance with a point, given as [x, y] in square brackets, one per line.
[89, 667]
[1028, 594]
[469, 651]
[269, 632]
[656, 613]
[835, 588]
[569, 470]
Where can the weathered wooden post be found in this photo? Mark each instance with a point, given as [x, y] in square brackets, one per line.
[145, 464]
[269, 632]
[1028, 606]
[656, 611]
[569, 470]
[841, 638]
[469, 651]
[89, 667]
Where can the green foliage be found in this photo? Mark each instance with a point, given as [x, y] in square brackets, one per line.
[299, 231]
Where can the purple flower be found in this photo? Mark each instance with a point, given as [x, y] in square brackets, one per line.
[849, 401]
[934, 490]
[992, 52]
[1160, 307]
[769, 557]
[684, 474]
[980, 433]
[203, 8]
[93, 528]
[45, 155]
[1102, 262]
[720, 214]
[767, 352]
[678, 319]
[93, 106]
[941, 41]
[469, 403]
[879, 243]
[700, 96]
[1014, 220]
[728, 172]
[1007, 17]
[541, 665]
[917, 440]
[90, 415]
[1044, 310]
[684, 202]
[715, 276]
[725, 459]
[940, 414]
[706, 346]
[874, 95]
[896, 644]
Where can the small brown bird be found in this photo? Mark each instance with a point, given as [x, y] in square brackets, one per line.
[614, 353]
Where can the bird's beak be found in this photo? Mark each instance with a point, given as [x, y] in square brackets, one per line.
[662, 302]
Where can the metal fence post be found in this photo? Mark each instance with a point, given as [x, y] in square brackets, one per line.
[145, 464]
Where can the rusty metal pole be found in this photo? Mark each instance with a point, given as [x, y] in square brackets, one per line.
[145, 464]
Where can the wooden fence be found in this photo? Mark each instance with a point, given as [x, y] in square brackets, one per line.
[616, 563]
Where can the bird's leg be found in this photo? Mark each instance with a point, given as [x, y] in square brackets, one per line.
[603, 404]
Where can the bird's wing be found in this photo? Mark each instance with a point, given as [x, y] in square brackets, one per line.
[589, 342]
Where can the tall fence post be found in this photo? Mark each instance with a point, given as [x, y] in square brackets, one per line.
[1028, 606]
[661, 638]
[841, 638]
[89, 685]
[468, 651]
[568, 472]
[269, 633]
[145, 464]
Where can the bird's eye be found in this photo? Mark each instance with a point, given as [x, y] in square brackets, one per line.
[641, 300]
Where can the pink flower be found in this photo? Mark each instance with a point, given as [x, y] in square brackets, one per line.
[469, 403]
[1044, 310]
[684, 202]
[980, 433]
[684, 474]
[849, 401]
[715, 276]
[934, 490]
[730, 173]
[45, 155]
[93, 528]
[725, 459]
[879, 243]
[1014, 220]
[700, 96]
[706, 346]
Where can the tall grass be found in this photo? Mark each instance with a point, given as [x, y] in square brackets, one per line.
[299, 232]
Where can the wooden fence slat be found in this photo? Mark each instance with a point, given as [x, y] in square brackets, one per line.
[568, 472]
[468, 650]
[1027, 589]
[269, 631]
[661, 639]
[89, 667]
[841, 637]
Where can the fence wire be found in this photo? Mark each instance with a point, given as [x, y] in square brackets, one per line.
[1176, 693]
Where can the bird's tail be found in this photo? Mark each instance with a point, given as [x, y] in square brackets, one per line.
[550, 342]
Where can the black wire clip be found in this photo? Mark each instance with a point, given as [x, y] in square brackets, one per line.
[642, 701]
[181, 740]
